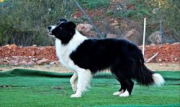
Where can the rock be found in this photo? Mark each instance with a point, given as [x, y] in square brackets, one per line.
[111, 36]
[155, 37]
[176, 43]
[84, 27]
[114, 23]
[175, 59]
[42, 61]
[134, 36]
[90, 33]
[12, 46]
[31, 63]
[22, 63]
[13, 62]
[77, 15]
[160, 60]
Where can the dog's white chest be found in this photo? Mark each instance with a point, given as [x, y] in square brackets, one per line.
[62, 53]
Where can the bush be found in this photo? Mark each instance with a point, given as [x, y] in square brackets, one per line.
[169, 18]
[24, 22]
[94, 4]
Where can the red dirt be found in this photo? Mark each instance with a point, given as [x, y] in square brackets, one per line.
[166, 52]
[33, 55]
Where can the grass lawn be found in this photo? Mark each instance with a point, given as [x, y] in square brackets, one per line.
[30, 88]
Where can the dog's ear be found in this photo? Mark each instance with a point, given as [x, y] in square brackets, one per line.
[71, 25]
[63, 20]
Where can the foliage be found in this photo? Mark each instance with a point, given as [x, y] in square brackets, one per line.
[94, 4]
[171, 18]
[24, 22]
[135, 9]
[167, 14]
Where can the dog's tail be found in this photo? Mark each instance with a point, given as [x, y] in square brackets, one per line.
[144, 76]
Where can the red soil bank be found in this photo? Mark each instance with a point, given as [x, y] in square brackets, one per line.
[17, 55]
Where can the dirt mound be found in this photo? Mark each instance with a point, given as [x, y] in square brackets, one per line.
[32, 55]
[16, 55]
[165, 53]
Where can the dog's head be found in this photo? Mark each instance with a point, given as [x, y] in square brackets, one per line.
[64, 31]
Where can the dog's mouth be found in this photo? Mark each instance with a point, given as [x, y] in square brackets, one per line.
[49, 33]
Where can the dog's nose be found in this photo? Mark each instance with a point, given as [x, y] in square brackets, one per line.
[49, 28]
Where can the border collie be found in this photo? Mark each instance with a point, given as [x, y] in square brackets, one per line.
[86, 57]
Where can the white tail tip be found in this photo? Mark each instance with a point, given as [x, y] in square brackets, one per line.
[158, 79]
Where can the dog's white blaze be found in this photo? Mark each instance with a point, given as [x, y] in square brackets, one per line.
[52, 27]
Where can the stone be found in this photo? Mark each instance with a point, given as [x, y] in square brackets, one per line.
[155, 37]
[42, 61]
[111, 35]
[84, 27]
[134, 36]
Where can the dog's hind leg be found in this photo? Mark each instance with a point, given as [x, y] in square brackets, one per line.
[84, 78]
[121, 78]
[129, 86]
[73, 81]
[124, 78]
[123, 87]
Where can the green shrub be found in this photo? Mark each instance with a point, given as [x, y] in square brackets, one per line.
[24, 22]
[94, 4]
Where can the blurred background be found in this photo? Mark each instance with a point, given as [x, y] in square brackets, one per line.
[24, 22]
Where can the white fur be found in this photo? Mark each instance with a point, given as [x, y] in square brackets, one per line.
[158, 79]
[73, 82]
[118, 92]
[49, 34]
[63, 52]
[124, 94]
[84, 78]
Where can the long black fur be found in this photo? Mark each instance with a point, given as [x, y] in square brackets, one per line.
[124, 59]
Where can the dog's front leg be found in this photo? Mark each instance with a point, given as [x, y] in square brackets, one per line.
[84, 77]
[73, 82]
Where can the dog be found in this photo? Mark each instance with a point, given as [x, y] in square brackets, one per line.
[85, 57]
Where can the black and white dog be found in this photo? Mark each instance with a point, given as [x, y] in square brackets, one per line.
[86, 57]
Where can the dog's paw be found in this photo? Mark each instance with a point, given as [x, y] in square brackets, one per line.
[124, 94]
[117, 93]
[75, 95]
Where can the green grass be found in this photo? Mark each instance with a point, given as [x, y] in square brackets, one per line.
[28, 88]
[94, 4]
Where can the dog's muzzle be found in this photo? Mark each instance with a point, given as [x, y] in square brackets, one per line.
[49, 30]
